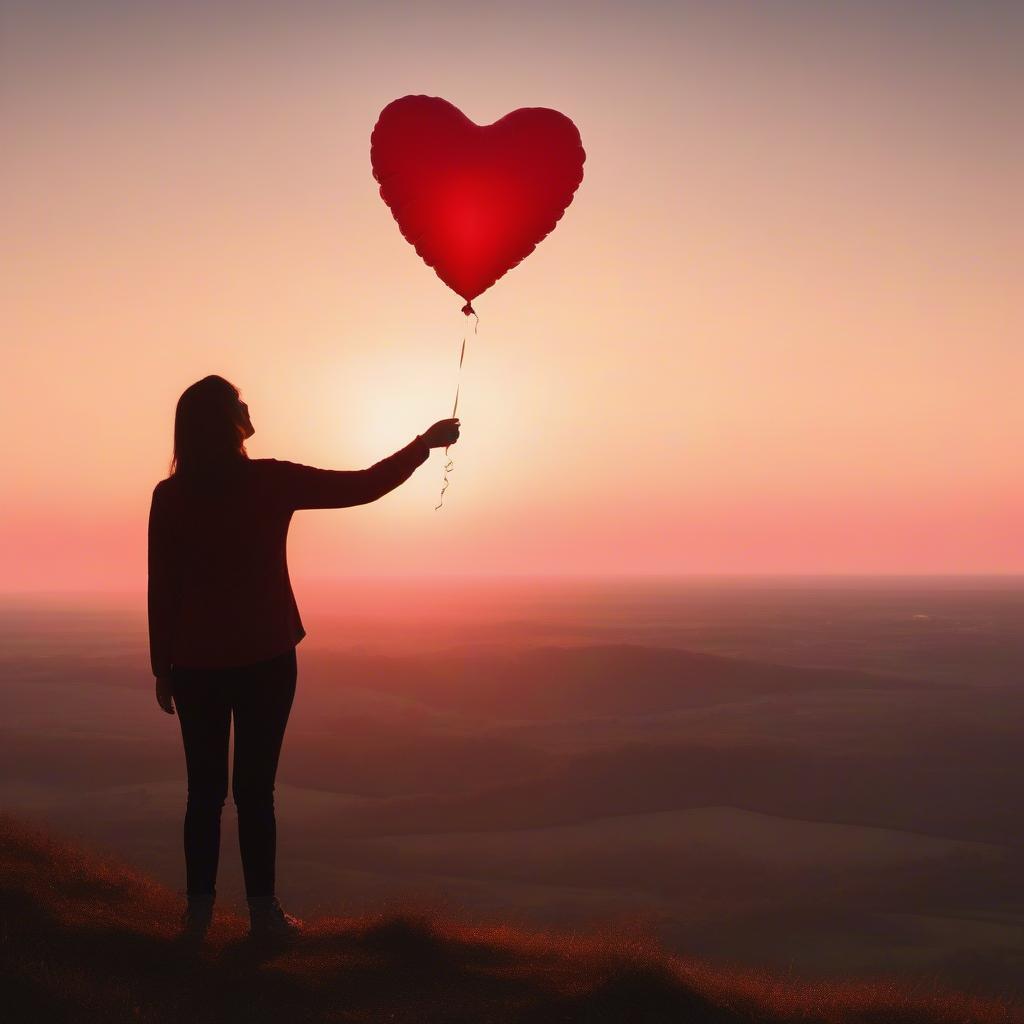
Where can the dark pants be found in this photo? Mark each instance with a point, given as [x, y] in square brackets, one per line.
[260, 697]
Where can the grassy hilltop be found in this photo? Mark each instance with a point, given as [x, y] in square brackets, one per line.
[84, 938]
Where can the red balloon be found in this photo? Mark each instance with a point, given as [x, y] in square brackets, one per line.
[474, 200]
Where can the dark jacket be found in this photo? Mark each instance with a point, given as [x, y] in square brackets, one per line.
[219, 593]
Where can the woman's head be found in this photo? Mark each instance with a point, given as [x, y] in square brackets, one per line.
[211, 423]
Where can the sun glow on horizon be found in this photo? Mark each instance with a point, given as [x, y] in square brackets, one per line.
[778, 329]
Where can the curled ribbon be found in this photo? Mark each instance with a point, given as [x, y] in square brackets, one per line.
[449, 463]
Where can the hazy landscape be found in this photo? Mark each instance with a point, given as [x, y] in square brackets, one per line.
[819, 778]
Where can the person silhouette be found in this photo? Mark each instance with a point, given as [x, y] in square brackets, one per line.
[224, 625]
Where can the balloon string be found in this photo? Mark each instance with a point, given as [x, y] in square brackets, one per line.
[449, 463]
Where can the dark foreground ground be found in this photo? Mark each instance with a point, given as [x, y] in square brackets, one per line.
[88, 939]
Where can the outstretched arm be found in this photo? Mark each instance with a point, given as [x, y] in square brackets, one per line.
[308, 487]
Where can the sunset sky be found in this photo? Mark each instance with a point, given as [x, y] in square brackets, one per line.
[779, 329]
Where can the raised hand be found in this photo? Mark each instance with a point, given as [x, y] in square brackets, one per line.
[442, 434]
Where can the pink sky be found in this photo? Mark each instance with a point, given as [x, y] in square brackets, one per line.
[779, 329]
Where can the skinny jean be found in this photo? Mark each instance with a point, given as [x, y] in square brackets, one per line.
[259, 698]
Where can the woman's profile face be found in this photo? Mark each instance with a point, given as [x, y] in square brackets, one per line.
[243, 419]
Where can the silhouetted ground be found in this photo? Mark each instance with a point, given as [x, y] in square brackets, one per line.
[87, 939]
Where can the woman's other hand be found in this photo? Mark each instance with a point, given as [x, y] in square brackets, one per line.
[164, 696]
[442, 434]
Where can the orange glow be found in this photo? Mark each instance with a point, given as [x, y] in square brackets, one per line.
[778, 330]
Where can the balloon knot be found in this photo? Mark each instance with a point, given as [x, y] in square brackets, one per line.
[468, 309]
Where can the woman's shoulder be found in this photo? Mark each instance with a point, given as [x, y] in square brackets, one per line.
[272, 474]
[264, 468]
[246, 473]
[275, 468]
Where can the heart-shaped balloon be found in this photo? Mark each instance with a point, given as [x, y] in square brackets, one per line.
[474, 200]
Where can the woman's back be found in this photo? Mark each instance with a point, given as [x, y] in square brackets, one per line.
[219, 588]
[221, 551]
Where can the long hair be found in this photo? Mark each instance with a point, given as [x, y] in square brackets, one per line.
[207, 435]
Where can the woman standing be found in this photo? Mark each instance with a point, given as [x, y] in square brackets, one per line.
[223, 624]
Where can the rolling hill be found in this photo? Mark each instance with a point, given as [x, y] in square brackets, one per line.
[85, 938]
